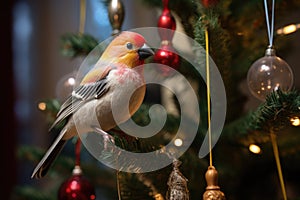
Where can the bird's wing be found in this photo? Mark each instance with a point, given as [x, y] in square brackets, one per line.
[82, 94]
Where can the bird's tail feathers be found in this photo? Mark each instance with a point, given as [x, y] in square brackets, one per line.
[46, 162]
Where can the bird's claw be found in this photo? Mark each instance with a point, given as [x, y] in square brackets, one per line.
[106, 137]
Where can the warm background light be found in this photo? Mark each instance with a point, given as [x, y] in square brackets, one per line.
[178, 142]
[71, 81]
[159, 197]
[295, 121]
[288, 29]
[42, 106]
[254, 149]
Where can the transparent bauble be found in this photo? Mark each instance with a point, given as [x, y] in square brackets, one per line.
[268, 74]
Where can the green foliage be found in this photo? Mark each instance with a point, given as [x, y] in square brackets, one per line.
[74, 45]
[63, 164]
[131, 185]
[275, 113]
[27, 192]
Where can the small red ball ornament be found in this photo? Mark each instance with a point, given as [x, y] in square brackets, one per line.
[166, 54]
[166, 21]
[77, 187]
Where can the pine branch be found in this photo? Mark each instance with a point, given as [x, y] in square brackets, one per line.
[74, 45]
[131, 186]
[27, 192]
[63, 164]
[275, 113]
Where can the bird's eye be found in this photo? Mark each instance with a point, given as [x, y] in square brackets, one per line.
[129, 45]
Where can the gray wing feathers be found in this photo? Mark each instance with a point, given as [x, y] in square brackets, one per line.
[43, 166]
[80, 96]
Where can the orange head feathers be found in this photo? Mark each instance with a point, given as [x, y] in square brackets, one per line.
[128, 48]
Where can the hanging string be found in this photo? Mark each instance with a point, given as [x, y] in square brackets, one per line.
[77, 152]
[272, 134]
[276, 155]
[118, 185]
[81, 30]
[78, 141]
[270, 27]
[82, 16]
[208, 96]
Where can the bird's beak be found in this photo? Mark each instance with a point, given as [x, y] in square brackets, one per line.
[144, 52]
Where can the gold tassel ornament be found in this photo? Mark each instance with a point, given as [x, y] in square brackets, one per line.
[213, 191]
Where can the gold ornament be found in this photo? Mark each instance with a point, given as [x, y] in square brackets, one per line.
[116, 15]
[213, 191]
[177, 184]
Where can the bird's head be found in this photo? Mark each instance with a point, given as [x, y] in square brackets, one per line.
[128, 48]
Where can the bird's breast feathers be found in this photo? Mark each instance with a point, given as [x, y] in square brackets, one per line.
[125, 83]
[125, 95]
[125, 75]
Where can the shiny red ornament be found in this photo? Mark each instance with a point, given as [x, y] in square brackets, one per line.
[166, 21]
[209, 3]
[77, 187]
[167, 55]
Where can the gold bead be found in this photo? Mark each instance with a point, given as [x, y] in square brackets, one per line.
[116, 15]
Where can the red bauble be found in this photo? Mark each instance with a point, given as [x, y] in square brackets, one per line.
[167, 55]
[166, 21]
[209, 3]
[77, 187]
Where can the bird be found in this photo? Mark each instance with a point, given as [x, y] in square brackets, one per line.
[107, 84]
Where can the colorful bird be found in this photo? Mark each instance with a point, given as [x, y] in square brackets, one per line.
[117, 74]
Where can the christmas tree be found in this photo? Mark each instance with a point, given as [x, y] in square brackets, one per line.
[235, 36]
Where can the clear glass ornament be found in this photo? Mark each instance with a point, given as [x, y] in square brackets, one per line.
[268, 74]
